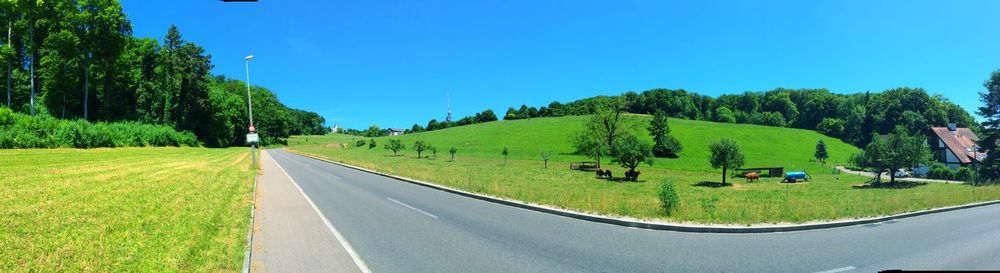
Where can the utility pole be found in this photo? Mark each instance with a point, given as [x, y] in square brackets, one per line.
[252, 129]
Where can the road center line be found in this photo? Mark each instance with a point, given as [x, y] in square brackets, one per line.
[410, 207]
[835, 270]
[343, 242]
[335, 176]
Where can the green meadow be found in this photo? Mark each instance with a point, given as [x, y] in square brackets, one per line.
[124, 209]
[479, 167]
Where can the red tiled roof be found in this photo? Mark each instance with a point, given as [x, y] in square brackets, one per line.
[960, 142]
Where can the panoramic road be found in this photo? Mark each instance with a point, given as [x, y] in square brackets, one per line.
[396, 226]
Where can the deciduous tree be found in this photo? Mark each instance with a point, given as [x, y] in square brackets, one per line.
[725, 154]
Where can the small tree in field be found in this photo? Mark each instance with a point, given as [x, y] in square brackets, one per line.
[505, 152]
[821, 154]
[395, 145]
[371, 144]
[420, 146]
[589, 144]
[726, 154]
[545, 158]
[453, 151]
[434, 151]
[631, 151]
[897, 150]
[665, 145]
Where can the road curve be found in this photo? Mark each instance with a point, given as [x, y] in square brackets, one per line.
[399, 227]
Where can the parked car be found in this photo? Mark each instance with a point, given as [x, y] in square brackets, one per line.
[902, 173]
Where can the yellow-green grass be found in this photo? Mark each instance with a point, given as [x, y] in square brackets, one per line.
[479, 168]
[124, 210]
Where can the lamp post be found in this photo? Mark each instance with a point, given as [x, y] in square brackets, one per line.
[252, 130]
[975, 167]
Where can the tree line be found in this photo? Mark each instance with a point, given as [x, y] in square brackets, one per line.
[851, 117]
[79, 60]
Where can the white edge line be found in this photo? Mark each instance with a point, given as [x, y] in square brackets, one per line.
[408, 206]
[347, 246]
[835, 270]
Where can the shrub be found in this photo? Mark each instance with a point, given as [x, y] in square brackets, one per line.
[940, 171]
[669, 199]
[963, 174]
[359, 143]
[44, 131]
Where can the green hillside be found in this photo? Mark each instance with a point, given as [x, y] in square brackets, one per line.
[479, 167]
[763, 146]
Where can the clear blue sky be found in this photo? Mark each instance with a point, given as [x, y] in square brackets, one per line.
[390, 63]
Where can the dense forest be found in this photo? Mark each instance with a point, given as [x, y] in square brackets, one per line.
[79, 60]
[851, 117]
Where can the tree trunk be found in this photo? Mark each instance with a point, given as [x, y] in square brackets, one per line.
[86, 86]
[724, 175]
[8, 68]
[31, 32]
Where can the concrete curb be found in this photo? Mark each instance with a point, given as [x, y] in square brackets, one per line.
[253, 212]
[658, 226]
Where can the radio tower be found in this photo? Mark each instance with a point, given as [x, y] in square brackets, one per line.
[448, 99]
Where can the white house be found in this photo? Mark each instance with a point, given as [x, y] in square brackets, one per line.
[955, 147]
[396, 131]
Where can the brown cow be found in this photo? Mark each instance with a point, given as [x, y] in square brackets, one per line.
[752, 177]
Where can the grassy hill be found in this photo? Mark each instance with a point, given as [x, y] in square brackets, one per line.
[763, 146]
[479, 167]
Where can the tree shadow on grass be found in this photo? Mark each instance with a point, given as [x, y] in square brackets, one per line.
[622, 179]
[896, 185]
[711, 184]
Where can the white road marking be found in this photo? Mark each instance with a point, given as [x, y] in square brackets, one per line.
[835, 270]
[343, 242]
[410, 207]
[335, 176]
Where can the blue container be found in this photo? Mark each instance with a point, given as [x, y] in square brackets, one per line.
[795, 176]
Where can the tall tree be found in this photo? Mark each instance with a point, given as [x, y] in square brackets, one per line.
[103, 29]
[990, 110]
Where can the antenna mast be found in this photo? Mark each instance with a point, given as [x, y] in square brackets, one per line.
[447, 96]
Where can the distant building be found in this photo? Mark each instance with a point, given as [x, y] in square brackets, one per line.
[955, 147]
[396, 131]
[334, 128]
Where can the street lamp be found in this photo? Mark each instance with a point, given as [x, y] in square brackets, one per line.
[252, 130]
[975, 167]
[249, 101]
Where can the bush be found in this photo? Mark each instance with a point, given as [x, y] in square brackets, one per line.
[360, 143]
[940, 171]
[669, 199]
[963, 174]
[44, 131]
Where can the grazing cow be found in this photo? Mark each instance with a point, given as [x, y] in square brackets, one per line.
[607, 174]
[600, 173]
[752, 177]
[632, 175]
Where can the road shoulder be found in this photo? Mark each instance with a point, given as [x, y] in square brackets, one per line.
[289, 234]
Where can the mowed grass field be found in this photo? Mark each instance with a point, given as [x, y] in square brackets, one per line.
[124, 209]
[479, 168]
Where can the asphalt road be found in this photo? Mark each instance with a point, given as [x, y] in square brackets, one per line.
[396, 226]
